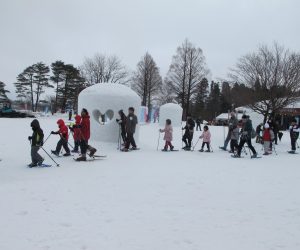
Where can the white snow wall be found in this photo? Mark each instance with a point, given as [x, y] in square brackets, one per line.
[107, 99]
[170, 111]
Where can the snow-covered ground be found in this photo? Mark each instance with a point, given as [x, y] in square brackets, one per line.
[147, 200]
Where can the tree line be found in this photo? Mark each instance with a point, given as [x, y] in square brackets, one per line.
[266, 80]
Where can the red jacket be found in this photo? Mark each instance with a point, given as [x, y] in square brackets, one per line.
[76, 129]
[63, 129]
[85, 127]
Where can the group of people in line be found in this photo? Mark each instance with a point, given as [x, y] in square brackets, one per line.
[81, 134]
[238, 135]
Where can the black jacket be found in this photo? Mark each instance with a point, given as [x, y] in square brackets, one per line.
[37, 137]
[189, 127]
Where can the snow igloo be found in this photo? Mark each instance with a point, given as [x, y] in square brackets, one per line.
[103, 102]
[170, 111]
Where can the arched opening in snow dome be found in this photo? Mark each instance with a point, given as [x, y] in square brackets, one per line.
[101, 118]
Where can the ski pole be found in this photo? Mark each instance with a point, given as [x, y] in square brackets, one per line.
[158, 140]
[196, 144]
[47, 138]
[57, 165]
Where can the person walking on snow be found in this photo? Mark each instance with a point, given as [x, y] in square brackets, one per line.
[85, 136]
[76, 130]
[36, 139]
[246, 137]
[63, 132]
[232, 124]
[168, 137]
[198, 122]
[189, 133]
[267, 137]
[131, 123]
[122, 124]
[206, 139]
[294, 134]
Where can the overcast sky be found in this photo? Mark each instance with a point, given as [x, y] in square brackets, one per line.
[70, 30]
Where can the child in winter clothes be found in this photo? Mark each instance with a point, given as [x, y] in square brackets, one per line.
[76, 130]
[267, 137]
[168, 137]
[206, 139]
[294, 134]
[234, 139]
[64, 135]
[36, 142]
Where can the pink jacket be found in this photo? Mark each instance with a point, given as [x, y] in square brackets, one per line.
[206, 136]
[168, 132]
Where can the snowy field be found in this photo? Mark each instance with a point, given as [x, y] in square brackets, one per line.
[147, 200]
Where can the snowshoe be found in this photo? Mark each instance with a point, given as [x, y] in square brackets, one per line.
[223, 148]
[135, 148]
[124, 150]
[66, 154]
[207, 151]
[75, 151]
[187, 149]
[201, 150]
[236, 156]
[164, 149]
[255, 156]
[292, 152]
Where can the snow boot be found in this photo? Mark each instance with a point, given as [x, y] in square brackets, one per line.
[236, 156]
[92, 151]
[31, 165]
[81, 158]
[266, 153]
[208, 150]
[172, 148]
[75, 151]
[67, 154]
[254, 156]
[54, 152]
[124, 149]
[201, 150]
[187, 149]
[223, 148]
[165, 149]
[40, 162]
[292, 152]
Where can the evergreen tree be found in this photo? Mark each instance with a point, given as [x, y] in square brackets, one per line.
[214, 101]
[32, 82]
[57, 77]
[3, 91]
[201, 99]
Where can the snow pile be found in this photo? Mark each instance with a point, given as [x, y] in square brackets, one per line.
[170, 111]
[103, 101]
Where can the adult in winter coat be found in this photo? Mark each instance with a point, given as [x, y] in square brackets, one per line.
[198, 122]
[76, 130]
[131, 123]
[63, 132]
[232, 124]
[294, 134]
[122, 124]
[85, 136]
[267, 137]
[168, 137]
[206, 139]
[246, 137]
[36, 142]
[188, 133]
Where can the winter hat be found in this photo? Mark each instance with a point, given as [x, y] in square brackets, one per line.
[267, 125]
[244, 117]
[35, 124]
[60, 122]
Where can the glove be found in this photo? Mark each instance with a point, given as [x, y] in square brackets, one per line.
[29, 138]
[52, 133]
[117, 120]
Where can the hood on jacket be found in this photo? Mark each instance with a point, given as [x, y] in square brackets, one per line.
[35, 124]
[60, 123]
[77, 119]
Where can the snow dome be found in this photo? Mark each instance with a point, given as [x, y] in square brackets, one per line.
[103, 101]
[170, 111]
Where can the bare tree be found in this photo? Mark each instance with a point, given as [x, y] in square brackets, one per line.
[147, 81]
[3, 91]
[273, 74]
[101, 68]
[186, 71]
